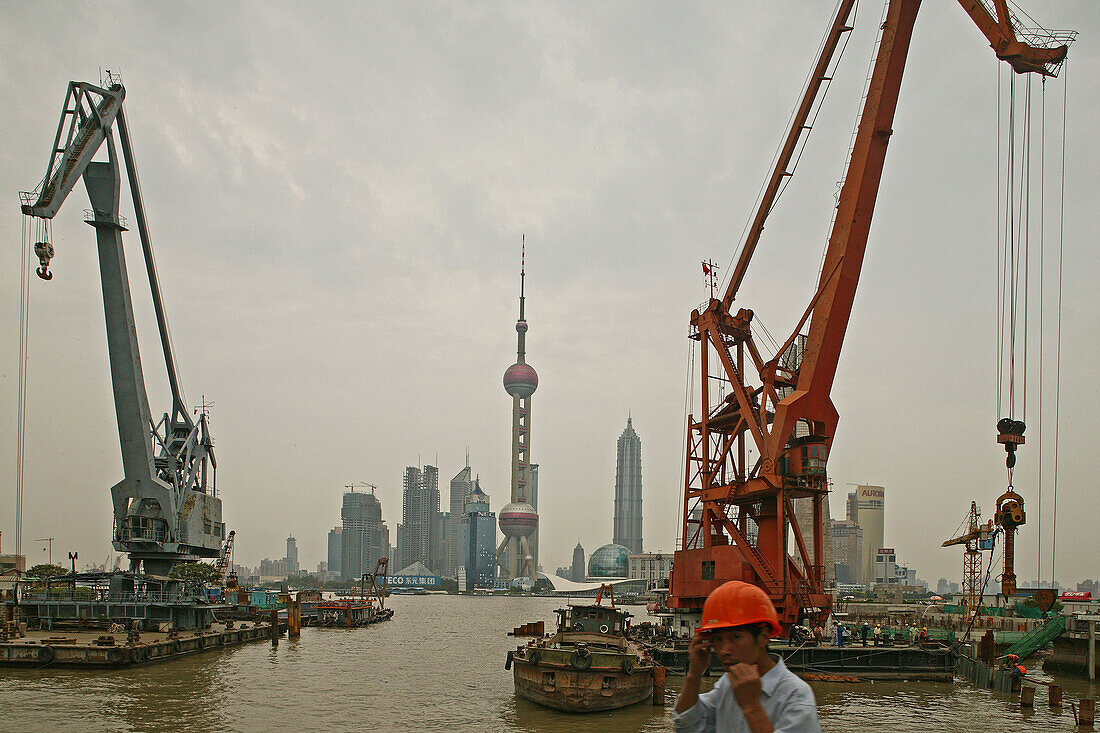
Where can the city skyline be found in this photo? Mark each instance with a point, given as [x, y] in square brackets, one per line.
[625, 168]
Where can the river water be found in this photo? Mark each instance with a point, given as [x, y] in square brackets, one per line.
[437, 666]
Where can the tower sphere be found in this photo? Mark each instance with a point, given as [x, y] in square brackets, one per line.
[521, 379]
[518, 519]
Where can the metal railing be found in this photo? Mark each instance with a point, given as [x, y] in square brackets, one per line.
[125, 533]
[65, 595]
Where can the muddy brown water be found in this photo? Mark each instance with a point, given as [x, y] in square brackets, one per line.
[437, 666]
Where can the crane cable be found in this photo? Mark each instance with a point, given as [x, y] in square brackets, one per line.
[1042, 322]
[38, 231]
[819, 103]
[1058, 337]
[689, 389]
[1013, 301]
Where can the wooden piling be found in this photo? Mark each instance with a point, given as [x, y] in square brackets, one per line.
[294, 617]
[274, 613]
[987, 649]
[1092, 650]
[1055, 696]
[1087, 713]
[659, 686]
[1027, 697]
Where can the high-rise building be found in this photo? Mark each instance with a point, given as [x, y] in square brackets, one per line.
[578, 569]
[462, 485]
[272, 569]
[804, 515]
[519, 519]
[364, 537]
[421, 522]
[335, 549]
[868, 503]
[628, 490]
[478, 538]
[885, 566]
[847, 547]
[292, 556]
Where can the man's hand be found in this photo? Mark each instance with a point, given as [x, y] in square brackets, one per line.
[698, 661]
[745, 684]
[698, 655]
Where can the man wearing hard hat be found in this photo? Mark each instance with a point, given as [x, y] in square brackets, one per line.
[758, 693]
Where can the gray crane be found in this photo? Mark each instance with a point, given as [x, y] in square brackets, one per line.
[166, 508]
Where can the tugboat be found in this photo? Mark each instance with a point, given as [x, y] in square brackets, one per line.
[359, 610]
[350, 613]
[589, 665]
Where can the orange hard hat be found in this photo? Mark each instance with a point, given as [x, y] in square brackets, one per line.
[735, 604]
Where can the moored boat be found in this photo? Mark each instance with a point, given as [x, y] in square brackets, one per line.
[588, 665]
[350, 612]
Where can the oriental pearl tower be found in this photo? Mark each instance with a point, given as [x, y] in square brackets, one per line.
[519, 520]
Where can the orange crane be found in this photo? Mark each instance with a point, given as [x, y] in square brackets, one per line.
[737, 514]
[976, 537]
[225, 559]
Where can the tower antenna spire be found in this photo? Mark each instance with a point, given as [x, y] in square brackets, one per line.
[522, 271]
[521, 324]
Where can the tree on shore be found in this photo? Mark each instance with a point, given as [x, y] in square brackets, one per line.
[45, 570]
[195, 571]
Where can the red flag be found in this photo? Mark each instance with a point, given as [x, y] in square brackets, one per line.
[706, 268]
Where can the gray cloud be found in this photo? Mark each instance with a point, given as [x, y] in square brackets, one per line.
[337, 193]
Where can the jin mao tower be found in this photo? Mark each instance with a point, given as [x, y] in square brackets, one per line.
[628, 490]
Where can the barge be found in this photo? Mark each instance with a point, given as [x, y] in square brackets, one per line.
[589, 665]
[93, 649]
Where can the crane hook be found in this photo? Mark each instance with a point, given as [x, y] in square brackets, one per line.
[44, 251]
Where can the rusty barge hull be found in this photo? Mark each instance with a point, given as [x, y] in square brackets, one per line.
[593, 690]
[80, 649]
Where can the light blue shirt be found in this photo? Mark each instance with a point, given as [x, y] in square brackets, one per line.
[787, 699]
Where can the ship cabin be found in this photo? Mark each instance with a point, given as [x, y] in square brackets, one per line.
[593, 619]
[346, 612]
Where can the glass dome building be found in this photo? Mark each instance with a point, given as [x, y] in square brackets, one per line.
[609, 561]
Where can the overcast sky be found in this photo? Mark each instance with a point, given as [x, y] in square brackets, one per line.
[337, 192]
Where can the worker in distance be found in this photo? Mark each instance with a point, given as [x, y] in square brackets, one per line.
[757, 693]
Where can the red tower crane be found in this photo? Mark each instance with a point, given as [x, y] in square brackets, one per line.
[975, 538]
[737, 515]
